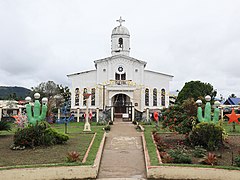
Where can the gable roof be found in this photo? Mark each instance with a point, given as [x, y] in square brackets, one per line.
[158, 73]
[83, 72]
[232, 101]
[120, 56]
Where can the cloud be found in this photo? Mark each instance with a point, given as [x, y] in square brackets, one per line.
[190, 39]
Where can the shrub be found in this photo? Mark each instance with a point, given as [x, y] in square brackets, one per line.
[199, 152]
[237, 160]
[37, 135]
[180, 118]
[101, 123]
[207, 135]
[107, 128]
[179, 156]
[134, 122]
[54, 137]
[73, 156]
[4, 126]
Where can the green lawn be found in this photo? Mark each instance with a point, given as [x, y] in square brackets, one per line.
[54, 155]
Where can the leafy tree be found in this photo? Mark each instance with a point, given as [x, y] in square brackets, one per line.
[232, 96]
[50, 89]
[180, 118]
[46, 89]
[65, 92]
[196, 90]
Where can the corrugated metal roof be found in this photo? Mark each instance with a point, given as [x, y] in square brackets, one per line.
[232, 101]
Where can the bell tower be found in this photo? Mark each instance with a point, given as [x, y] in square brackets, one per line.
[120, 40]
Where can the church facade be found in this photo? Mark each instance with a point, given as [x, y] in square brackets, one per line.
[120, 82]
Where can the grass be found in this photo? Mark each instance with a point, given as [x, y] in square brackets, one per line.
[150, 144]
[229, 128]
[52, 155]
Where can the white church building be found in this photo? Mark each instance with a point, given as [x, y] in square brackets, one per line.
[120, 82]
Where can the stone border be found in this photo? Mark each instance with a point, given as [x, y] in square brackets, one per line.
[89, 148]
[188, 173]
[61, 172]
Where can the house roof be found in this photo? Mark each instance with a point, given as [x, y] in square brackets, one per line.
[232, 101]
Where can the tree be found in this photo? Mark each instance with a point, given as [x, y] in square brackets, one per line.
[232, 96]
[46, 89]
[50, 89]
[65, 92]
[196, 90]
[180, 118]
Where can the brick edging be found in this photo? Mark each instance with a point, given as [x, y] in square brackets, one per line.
[89, 147]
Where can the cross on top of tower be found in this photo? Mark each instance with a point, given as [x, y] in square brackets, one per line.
[120, 20]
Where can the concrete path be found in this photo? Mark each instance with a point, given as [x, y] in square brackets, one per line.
[123, 153]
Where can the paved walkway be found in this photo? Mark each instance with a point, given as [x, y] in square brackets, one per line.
[123, 153]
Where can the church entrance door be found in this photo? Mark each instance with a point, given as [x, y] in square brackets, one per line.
[119, 101]
[122, 105]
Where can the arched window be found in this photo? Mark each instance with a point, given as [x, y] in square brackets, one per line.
[120, 42]
[146, 97]
[154, 97]
[77, 97]
[93, 97]
[163, 94]
[84, 98]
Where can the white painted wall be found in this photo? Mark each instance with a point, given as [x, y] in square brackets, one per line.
[159, 81]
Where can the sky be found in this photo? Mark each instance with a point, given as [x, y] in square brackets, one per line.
[189, 39]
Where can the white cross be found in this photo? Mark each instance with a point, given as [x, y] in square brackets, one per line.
[120, 20]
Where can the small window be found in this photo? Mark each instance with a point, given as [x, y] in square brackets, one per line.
[120, 42]
[84, 98]
[146, 97]
[77, 97]
[104, 70]
[163, 97]
[154, 97]
[93, 97]
[136, 70]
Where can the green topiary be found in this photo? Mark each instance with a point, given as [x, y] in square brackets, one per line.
[207, 135]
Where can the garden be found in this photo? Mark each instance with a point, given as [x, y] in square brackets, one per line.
[183, 138]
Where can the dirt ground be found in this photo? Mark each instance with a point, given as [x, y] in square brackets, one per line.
[226, 155]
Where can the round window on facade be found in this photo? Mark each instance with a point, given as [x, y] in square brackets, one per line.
[120, 69]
